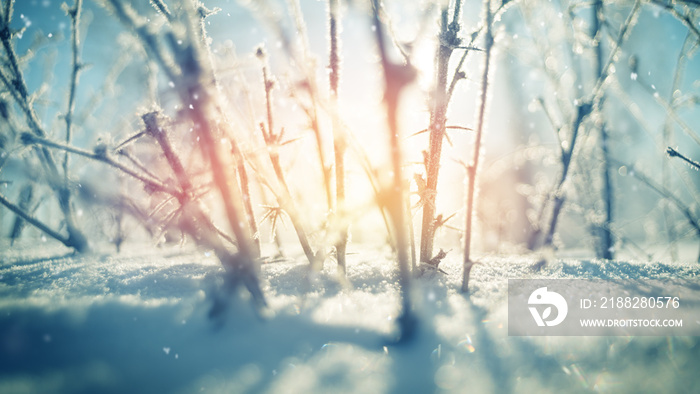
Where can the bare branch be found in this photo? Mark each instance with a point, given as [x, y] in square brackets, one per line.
[674, 153]
[35, 222]
[74, 14]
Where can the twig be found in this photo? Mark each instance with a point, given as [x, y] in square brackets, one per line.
[123, 152]
[339, 143]
[35, 222]
[163, 9]
[150, 119]
[606, 247]
[245, 190]
[74, 14]
[469, 48]
[151, 184]
[583, 110]
[468, 263]
[604, 72]
[674, 153]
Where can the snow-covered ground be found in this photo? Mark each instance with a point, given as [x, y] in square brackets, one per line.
[138, 322]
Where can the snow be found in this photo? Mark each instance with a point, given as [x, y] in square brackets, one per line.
[138, 322]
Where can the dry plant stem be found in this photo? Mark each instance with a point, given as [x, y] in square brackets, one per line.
[221, 175]
[459, 74]
[674, 153]
[159, 134]
[411, 233]
[685, 209]
[658, 188]
[26, 195]
[535, 240]
[667, 137]
[241, 265]
[245, 190]
[195, 95]
[186, 196]
[34, 222]
[339, 145]
[17, 87]
[152, 184]
[473, 168]
[316, 127]
[600, 85]
[74, 14]
[374, 183]
[8, 9]
[396, 77]
[124, 153]
[606, 241]
[202, 13]
[583, 110]
[447, 41]
[312, 113]
[469, 48]
[163, 9]
[284, 198]
[274, 234]
[198, 226]
[148, 39]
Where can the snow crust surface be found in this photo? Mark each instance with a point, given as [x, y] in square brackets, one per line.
[138, 322]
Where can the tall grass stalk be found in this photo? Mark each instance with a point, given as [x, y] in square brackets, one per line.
[74, 13]
[448, 40]
[472, 169]
[606, 248]
[339, 143]
[396, 77]
[245, 192]
[273, 141]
